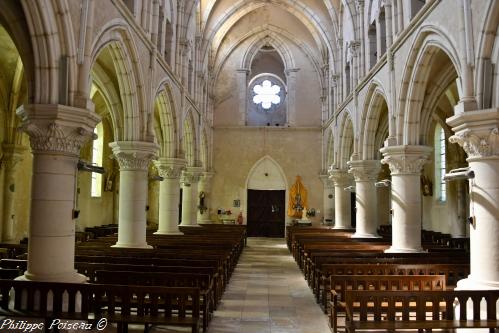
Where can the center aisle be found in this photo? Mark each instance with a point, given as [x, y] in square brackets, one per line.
[268, 294]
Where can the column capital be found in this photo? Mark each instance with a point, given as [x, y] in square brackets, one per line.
[191, 175]
[339, 177]
[134, 155]
[406, 159]
[243, 70]
[359, 4]
[477, 132]
[364, 170]
[12, 154]
[326, 180]
[57, 128]
[170, 168]
[206, 176]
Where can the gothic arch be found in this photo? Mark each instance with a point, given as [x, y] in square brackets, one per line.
[428, 41]
[165, 123]
[189, 139]
[346, 137]
[376, 98]
[116, 38]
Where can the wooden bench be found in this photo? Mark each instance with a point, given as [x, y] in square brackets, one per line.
[452, 273]
[87, 303]
[342, 283]
[164, 279]
[391, 310]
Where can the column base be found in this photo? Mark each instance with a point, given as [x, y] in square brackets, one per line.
[166, 232]
[470, 284]
[133, 245]
[190, 225]
[344, 228]
[404, 250]
[361, 235]
[69, 277]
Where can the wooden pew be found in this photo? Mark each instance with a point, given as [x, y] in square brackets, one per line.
[88, 303]
[164, 279]
[391, 310]
[341, 283]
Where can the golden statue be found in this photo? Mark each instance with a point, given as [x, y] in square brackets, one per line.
[297, 199]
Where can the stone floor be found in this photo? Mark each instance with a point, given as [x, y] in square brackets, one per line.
[268, 294]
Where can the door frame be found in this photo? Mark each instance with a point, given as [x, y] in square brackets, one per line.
[277, 180]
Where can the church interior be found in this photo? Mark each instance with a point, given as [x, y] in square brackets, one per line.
[249, 166]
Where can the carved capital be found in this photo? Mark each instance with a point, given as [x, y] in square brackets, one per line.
[339, 177]
[477, 132]
[364, 170]
[134, 155]
[12, 155]
[191, 175]
[170, 168]
[326, 181]
[407, 160]
[57, 128]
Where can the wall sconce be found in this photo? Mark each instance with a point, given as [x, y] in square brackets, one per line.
[157, 178]
[383, 183]
[461, 173]
[85, 166]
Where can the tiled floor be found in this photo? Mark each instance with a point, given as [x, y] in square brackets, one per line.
[268, 294]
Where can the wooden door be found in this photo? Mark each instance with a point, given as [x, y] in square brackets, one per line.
[266, 213]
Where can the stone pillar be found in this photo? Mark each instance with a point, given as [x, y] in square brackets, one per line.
[12, 155]
[133, 158]
[365, 174]
[190, 180]
[342, 206]
[169, 194]
[477, 132]
[242, 86]
[203, 213]
[362, 32]
[56, 133]
[406, 163]
[328, 197]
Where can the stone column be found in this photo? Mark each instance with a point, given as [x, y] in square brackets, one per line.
[203, 214]
[342, 206]
[477, 132]
[12, 155]
[56, 133]
[406, 163]
[328, 197]
[169, 194]
[133, 158]
[190, 180]
[365, 174]
[242, 86]
[362, 31]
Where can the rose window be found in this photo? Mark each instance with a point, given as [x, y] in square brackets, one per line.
[266, 94]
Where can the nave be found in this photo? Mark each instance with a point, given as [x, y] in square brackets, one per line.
[268, 294]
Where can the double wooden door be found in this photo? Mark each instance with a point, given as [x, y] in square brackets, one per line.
[266, 213]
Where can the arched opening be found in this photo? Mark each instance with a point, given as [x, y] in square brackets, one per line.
[266, 199]
[189, 140]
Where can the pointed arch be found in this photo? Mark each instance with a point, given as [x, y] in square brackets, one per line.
[165, 123]
[429, 40]
[275, 179]
[374, 121]
[115, 38]
[346, 140]
[189, 140]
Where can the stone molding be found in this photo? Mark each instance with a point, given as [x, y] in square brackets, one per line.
[191, 175]
[170, 168]
[477, 132]
[206, 176]
[57, 128]
[364, 170]
[405, 160]
[134, 155]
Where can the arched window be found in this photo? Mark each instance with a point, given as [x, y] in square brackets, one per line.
[440, 170]
[97, 152]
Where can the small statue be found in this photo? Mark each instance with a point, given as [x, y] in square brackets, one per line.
[304, 214]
